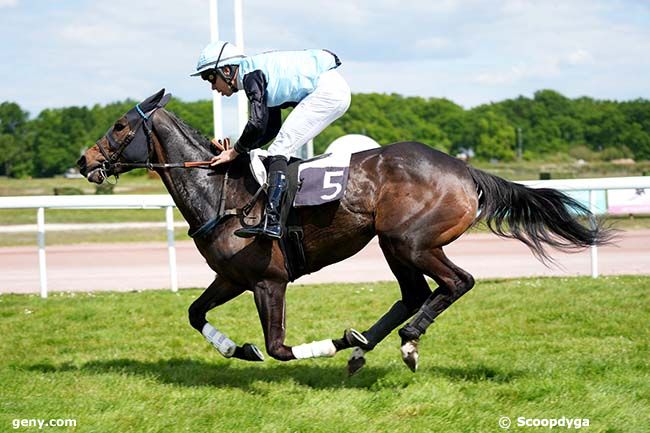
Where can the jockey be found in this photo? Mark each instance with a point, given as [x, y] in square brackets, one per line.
[306, 80]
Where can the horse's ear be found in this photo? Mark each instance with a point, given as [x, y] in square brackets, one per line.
[164, 100]
[152, 101]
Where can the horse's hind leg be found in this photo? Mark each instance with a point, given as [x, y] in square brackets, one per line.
[218, 293]
[453, 282]
[415, 291]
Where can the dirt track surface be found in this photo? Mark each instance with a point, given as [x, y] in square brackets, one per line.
[132, 266]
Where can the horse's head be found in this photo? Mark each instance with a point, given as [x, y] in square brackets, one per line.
[127, 142]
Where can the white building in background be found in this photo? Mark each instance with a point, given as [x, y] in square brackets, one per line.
[351, 143]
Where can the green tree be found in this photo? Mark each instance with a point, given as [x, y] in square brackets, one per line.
[492, 136]
[62, 135]
[15, 148]
[551, 124]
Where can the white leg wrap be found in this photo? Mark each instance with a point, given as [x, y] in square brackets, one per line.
[223, 344]
[315, 349]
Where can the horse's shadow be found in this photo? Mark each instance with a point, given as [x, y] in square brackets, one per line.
[195, 373]
[477, 373]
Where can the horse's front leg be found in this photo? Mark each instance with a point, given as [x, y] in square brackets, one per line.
[270, 301]
[218, 293]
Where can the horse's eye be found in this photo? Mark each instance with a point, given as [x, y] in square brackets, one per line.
[118, 127]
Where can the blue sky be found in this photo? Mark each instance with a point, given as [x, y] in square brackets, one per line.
[83, 52]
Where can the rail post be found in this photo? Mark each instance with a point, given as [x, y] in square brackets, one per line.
[40, 222]
[594, 248]
[171, 248]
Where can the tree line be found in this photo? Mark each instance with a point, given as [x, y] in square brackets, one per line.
[537, 128]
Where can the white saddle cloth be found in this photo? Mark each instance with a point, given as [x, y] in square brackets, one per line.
[329, 167]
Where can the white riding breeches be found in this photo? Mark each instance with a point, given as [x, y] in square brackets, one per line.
[324, 105]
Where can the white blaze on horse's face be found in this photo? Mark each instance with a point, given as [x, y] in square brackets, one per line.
[90, 164]
[92, 161]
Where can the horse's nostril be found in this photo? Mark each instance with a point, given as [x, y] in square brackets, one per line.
[83, 165]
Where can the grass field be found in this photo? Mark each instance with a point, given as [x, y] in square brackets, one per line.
[130, 183]
[530, 170]
[91, 236]
[89, 216]
[534, 348]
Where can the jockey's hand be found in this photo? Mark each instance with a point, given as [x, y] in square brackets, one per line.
[224, 157]
[221, 145]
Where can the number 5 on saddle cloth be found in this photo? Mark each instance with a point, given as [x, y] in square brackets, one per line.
[311, 182]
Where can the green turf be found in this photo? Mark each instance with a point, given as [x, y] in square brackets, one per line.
[27, 239]
[138, 183]
[28, 216]
[130, 362]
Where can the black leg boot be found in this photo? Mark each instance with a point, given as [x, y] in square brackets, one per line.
[271, 225]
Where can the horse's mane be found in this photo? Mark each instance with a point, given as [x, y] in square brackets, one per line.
[192, 134]
[197, 139]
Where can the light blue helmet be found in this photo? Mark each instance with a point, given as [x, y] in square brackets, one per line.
[218, 54]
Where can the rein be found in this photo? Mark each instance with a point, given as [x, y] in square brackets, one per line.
[152, 165]
[111, 161]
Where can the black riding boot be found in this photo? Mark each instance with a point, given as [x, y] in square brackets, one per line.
[271, 225]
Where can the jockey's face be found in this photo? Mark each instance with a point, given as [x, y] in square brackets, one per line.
[220, 85]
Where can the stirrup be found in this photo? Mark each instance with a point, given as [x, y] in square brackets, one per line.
[260, 229]
[248, 232]
[270, 232]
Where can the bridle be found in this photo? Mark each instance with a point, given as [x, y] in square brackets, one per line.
[112, 163]
[144, 123]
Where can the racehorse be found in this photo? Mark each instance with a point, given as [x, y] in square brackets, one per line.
[414, 198]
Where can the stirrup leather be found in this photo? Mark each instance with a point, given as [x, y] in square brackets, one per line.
[271, 225]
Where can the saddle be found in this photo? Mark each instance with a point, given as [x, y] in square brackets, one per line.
[310, 182]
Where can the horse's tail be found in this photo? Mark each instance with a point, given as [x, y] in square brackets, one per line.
[537, 217]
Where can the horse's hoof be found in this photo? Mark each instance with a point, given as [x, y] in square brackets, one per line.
[355, 338]
[249, 352]
[253, 353]
[410, 354]
[356, 361]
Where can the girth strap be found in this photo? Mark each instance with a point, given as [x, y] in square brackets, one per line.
[224, 213]
[291, 243]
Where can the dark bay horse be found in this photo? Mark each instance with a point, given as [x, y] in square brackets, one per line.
[414, 198]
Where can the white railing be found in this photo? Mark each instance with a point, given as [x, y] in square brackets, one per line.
[165, 201]
[599, 184]
[593, 186]
[158, 201]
